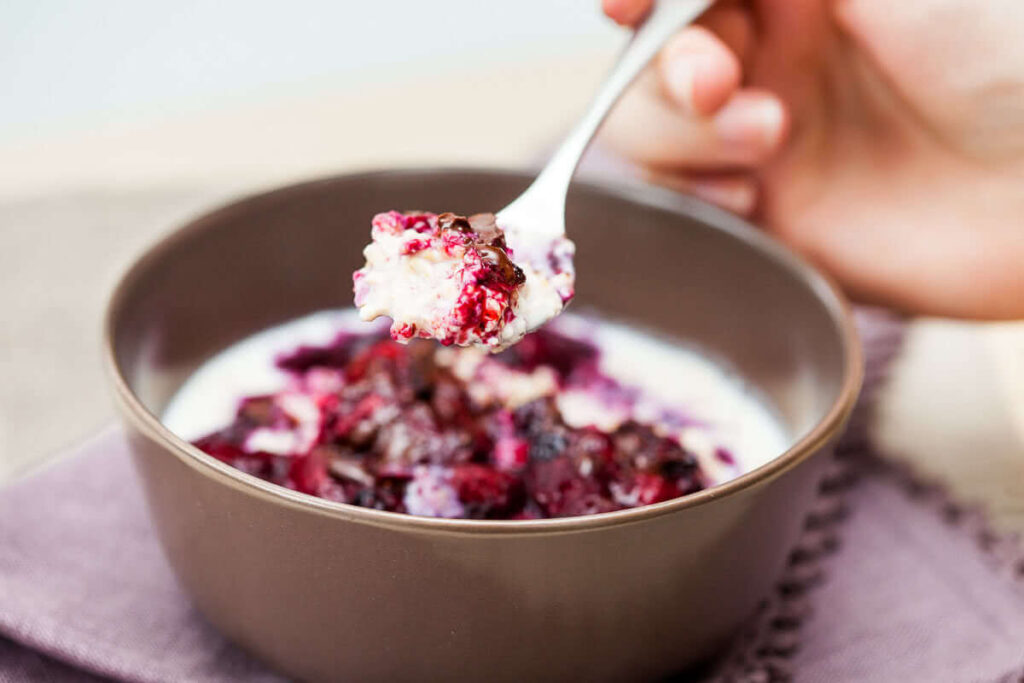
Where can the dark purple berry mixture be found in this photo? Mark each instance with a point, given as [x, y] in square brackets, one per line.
[409, 429]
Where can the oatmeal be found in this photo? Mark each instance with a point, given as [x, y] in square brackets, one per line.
[455, 279]
[539, 431]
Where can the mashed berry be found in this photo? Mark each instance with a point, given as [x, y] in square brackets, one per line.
[454, 279]
[445, 432]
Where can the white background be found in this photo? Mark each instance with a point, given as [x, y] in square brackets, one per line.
[66, 64]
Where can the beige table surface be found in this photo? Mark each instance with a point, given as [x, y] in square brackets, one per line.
[75, 208]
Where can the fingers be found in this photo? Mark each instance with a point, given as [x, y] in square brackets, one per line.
[698, 72]
[734, 26]
[733, 192]
[751, 126]
[700, 67]
[651, 131]
[688, 120]
[728, 19]
[626, 12]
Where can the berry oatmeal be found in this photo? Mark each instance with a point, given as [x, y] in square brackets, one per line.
[455, 279]
[550, 428]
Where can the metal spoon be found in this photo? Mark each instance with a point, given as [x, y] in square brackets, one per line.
[538, 214]
[533, 224]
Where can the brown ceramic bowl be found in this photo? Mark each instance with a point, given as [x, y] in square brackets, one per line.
[323, 590]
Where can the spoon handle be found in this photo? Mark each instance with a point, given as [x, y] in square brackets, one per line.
[664, 20]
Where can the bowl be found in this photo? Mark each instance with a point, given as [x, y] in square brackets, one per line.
[322, 590]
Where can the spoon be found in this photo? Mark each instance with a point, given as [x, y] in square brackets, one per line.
[538, 214]
[425, 293]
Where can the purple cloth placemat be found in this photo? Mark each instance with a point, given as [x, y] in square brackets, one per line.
[922, 590]
[891, 581]
[84, 582]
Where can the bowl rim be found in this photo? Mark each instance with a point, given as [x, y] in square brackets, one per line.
[825, 290]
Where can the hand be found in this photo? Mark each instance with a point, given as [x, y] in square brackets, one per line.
[883, 140]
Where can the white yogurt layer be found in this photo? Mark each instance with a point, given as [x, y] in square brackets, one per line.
[546, 291]
[419, 290]
[721, 411]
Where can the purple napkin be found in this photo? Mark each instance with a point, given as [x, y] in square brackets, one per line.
[84, 583]
[891, 581]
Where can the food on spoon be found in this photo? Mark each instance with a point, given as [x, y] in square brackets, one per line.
[455, 279]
